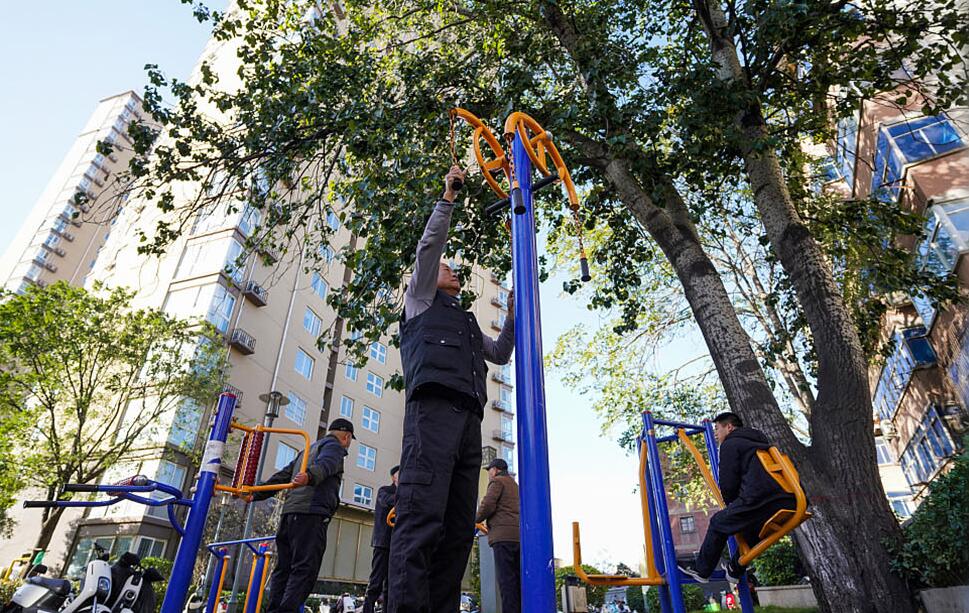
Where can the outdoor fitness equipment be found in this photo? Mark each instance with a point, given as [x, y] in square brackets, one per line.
[134, 488]
[537, 579]
[656, 520]
[257, 575]
[392, 521]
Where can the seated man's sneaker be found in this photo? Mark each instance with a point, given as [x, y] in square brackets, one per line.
[692, 572]
[734, 572]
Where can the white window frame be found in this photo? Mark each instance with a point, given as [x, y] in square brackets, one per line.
[307, 359]
[315, 322]
[367, 457]
[350, 372]
[319, 285]
[346, 407]
[378, 351]
[288, 451]
[359, 495]
[375, 384]
[370, 419]
[295, 411]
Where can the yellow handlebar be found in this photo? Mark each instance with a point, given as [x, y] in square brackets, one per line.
[248, 489]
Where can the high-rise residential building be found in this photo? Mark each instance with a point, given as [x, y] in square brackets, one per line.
[271, 316]
[62, 236]
[920, 392]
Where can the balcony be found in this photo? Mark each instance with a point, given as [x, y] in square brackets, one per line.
[56, 250]
[501, 377]
[498, 302]
[502, 406]
[242, 341]
[496, 325]
[270, 255]
[235, 391]
[48, 265]
[912, 352]
[64, 234]
[256, 293]
[502, 436]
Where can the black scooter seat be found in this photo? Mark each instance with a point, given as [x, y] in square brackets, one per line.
[61, 587]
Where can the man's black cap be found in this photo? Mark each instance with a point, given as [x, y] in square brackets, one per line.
[497, 463]
[342, 425]
[394, 470]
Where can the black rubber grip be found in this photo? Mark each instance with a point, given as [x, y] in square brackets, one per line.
[496, 207]
[456, 185]
[39, 504]
[584, 266]
[79, 487]
[517, 201]
[545, 181]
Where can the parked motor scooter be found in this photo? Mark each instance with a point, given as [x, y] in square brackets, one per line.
[47, 595]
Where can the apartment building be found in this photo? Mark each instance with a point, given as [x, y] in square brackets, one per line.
[61, 238]
[921, 391]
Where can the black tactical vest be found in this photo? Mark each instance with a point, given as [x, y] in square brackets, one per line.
[442, 347]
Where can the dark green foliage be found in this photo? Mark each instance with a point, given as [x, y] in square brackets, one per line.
[934, 552]
[779, 565]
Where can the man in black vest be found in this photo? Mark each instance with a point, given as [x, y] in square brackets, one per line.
[380, 541]
[301, 536]
[443, 352]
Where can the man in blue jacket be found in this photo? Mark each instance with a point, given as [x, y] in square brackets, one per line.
[380, 541]
[301, 537]
[443, 352]
[752, 496]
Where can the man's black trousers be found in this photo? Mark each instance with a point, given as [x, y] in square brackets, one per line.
[300, 543]
[736, 518]
[436, 498]
[508, 570]
[378, 579]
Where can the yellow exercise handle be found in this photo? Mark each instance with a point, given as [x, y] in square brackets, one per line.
[500, 161]
[248, 489]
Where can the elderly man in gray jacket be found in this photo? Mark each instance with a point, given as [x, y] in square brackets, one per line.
[443, 352]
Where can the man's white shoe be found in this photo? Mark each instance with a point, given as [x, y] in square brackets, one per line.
[686, 570]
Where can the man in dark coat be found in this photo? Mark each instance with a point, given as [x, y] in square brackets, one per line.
[499, 508]
[752, 496]
[301, 536]
[443, 352]
[380, 541]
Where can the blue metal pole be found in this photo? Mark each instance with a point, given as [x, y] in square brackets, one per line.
[663, 518]
[188, 548]
[255, 587]
[537, 576]
[663, 590]
[214, 589]
[746, 601]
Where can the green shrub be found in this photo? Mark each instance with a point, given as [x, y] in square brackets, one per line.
[7, 588]
[164, 567]
[933, 550]
[692, 597]
[779, 565]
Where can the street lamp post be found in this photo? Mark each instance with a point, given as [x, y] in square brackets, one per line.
[273, 400]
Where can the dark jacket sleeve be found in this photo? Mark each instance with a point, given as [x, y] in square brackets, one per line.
[328, 462]
[284, 475]
[489, 503]
[730, 470]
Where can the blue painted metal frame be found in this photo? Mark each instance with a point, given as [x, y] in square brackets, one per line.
[220, 556]
[257, 576]
[537, 573]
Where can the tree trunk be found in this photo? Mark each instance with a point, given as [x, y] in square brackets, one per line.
[47, 528]
[844, 549]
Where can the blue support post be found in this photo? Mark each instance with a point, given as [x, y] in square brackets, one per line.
[664, 590]
[746, 601]
[537, 576]
[188, 548]
[255, 586]
[663, 518]
[216, 584]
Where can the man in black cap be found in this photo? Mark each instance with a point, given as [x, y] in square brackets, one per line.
[752, 496]
[301, 537]
[499, 508]
[380, 541]
[443, 352]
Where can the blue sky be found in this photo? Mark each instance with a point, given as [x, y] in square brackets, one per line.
[60, 58]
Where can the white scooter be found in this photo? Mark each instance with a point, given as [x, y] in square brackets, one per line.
[47, 595]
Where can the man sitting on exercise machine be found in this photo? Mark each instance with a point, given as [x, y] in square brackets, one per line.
[752, 496]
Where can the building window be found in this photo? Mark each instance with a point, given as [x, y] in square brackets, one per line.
[378, 351]
[304, 364]
[375, 385]
[332, 220]
[220, 312]
[901, 504]
[234, 266]
[507, 427]
[284, 455]
[846, 149]
[362, 494]
[319, 285]
[687, 525]
[346, 407]
[883, 453]
[371, 419]
[296, 409]
[326, 254]
[367, 457]
[908, 142]
[928, 449]
[912, 351]
[249, 220]
[312, 322]
[508, 454]
[503, 299]
[350, 372]
[52, 240]
[504, 395]
[149, 547]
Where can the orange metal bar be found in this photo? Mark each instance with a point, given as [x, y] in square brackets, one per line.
[262, 582]
[800, 510]
[252, 573]
[392, 517]
[644, 503]
[246, 489]
[225, 567]
[613, 580]
[483, 132]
